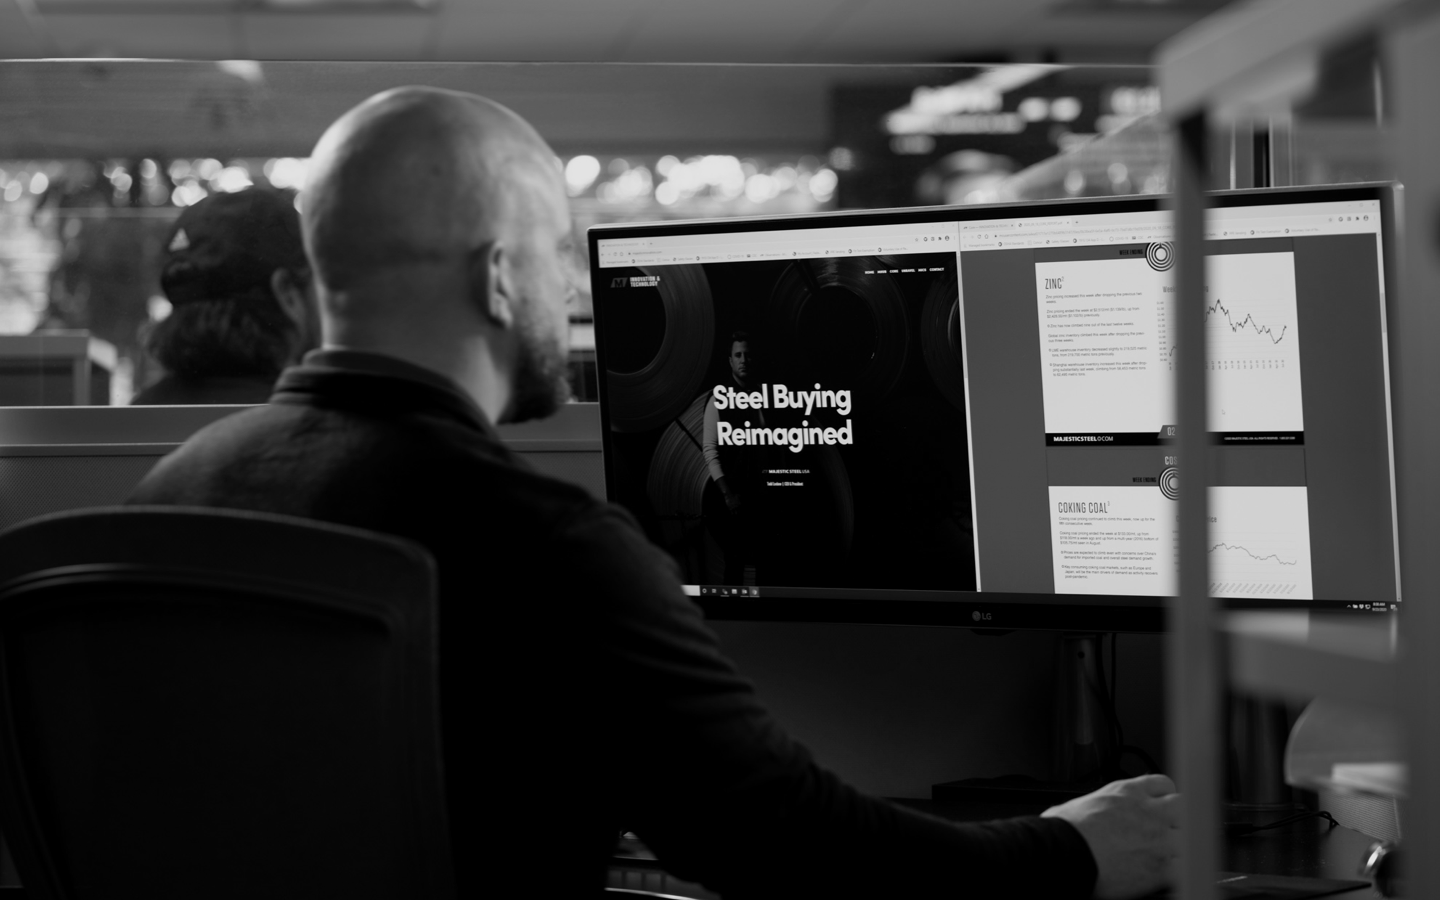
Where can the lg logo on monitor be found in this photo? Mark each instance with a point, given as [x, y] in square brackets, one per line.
[979, 616]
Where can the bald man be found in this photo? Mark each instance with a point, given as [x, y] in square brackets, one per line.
[582, 693]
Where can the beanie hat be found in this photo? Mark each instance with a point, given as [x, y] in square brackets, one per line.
[227, 244]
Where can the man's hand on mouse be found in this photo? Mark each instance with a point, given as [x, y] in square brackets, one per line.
[1131, 827]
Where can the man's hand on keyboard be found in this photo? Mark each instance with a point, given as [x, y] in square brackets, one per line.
[1130, 827]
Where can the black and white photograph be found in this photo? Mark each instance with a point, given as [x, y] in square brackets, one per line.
[667, 450]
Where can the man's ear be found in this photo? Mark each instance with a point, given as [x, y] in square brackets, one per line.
[288, 287]
[490, 284]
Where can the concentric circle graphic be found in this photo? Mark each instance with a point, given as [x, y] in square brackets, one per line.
[1170, 483]
[808, 296]
[1161, 256]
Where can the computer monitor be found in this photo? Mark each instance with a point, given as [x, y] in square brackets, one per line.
[966, 415]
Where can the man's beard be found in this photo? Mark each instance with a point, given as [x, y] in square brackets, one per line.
[542, 375]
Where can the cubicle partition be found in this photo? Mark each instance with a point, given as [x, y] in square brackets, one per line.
[70, 368]
[64, 457]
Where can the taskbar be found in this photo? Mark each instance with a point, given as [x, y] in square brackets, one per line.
[773, 593]
[722, 590]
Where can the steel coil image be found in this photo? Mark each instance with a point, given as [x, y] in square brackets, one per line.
[940, 340]
[829, 321]
[677, 477]
[660, 390]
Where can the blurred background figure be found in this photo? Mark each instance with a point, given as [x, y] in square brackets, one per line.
[243, 305]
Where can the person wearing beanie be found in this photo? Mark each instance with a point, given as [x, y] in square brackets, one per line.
[242, 304]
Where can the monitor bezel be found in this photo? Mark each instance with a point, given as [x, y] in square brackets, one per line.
[991, 609]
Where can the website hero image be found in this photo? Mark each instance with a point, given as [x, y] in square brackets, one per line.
[790, 416]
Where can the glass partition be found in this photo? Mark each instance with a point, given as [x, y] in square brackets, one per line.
[98, 158]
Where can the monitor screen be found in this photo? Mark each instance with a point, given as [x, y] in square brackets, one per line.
[966, 415]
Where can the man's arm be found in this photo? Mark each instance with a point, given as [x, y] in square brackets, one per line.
[714, 785]
[710, 449]
[710, 442]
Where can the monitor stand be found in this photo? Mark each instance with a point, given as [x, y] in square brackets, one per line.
[1084, 752]
[1255, 771]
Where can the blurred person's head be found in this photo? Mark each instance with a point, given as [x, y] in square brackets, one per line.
[239, 287]
[742, 357]
[440, 232]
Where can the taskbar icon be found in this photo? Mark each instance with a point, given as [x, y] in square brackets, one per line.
[728, 591]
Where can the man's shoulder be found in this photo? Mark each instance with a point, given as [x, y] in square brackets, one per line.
[604, 546]
[214, 454]
[399, 462]
[230, 433]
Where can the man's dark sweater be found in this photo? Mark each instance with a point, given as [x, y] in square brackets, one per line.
[581, 692]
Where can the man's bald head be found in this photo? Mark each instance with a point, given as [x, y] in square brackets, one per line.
[418, 175]
[439, 232]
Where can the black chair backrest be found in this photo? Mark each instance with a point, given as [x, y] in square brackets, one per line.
[219, 704]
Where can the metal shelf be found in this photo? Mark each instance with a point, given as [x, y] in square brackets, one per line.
[1255, 57]
[1254, 61]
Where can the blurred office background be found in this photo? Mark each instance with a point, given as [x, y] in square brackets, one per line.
[116, 114]
[656, 109]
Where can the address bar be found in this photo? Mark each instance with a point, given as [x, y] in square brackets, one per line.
[789, 250]
[843, 241]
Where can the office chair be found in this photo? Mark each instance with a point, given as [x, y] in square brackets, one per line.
[220, 704]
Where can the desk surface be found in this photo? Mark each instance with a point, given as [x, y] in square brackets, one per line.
[1310, 849]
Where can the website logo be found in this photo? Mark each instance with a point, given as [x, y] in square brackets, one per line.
[1161, 256]
[635, 281]
[1170, 483]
